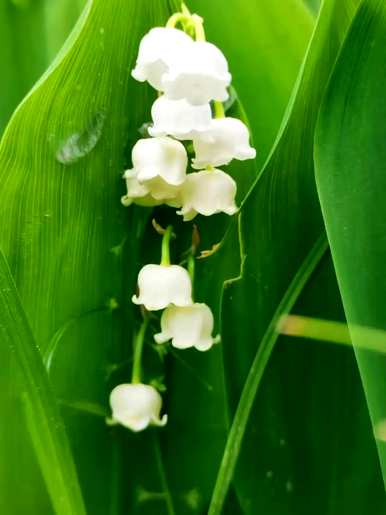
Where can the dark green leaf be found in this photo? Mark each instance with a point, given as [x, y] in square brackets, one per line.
[351, 176]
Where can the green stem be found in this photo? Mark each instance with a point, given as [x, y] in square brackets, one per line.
[219, 111]
[177, 18]
[199, 31]
[161, 469]
[185, 10]
[138, 348]
[191, 268]
[165, 249]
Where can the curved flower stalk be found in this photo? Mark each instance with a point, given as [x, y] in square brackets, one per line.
[186, 327]
[136, 406]
[226, 139]
[208, 192]
[179, 119]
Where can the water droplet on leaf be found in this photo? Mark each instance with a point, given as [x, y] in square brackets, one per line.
[82, 143]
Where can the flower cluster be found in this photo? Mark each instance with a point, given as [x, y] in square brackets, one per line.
[191, 77]
[188, 75]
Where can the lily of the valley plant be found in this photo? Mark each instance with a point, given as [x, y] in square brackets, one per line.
[192, 80]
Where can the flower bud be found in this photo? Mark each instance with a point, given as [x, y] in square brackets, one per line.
[189, 326]
[207, 192]
[199, 74]
[161, 285]
[136, 406]
[226, 139]
[160, 165]
[179, 119]
[158, 49]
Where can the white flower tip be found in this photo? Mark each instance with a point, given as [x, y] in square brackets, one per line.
[137, 74]
[187, 214]
[160, 422]
[161, 338]
[126, 200]
[135, 300]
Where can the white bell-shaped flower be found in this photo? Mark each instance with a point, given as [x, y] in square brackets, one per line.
[158, 49]
[137, 193]
[178, 118]
[207, 192]
[227, 139]
[189, 326]
[160, 165]
[199, 74]
[136, 406]
[161, 285]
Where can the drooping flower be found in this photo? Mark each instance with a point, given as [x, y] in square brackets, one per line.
[161, 285]
[158, 49]
[199, 74]
[207, 192]
[136, 406]
[137, 193]
[226, 139]
[189, 326]
[160, 165]
[179, 118]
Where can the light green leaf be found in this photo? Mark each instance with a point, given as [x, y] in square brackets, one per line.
[264, 42]
[351, 176]
[33, 406]
[61, 161]
[281, 221]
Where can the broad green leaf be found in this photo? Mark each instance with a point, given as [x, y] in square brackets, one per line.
[351, 176]
[281, 221]
[29, 407]
[22, 53]
[32, 31]
[264, 42]
[61, 160]
[314, 5]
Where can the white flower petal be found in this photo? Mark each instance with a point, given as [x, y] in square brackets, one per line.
[227, 139]
[136, 406]
[160, 157]
[161, 285]
[158, 49]
[137, 193]
[199, 75]
[208, 192]
[179, 119]
[186, 327]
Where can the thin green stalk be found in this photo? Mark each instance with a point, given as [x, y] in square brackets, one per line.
[219, 111]
[177, 18]
[165, 249]
[161, 470]
[252, 383]
[138, 348]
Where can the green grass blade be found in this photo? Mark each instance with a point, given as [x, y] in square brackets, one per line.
[351, 175]
[42, 416]
[251, 385]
